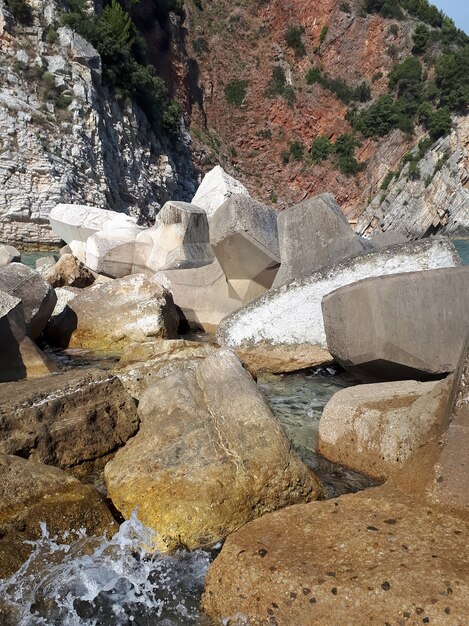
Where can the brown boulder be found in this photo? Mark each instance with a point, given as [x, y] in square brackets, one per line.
[209, 457]
[374, 429]
[111, 315]
[31, 493]
[69, 272]
[66, 420]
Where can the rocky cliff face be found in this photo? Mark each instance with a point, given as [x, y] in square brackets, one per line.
[434, 199]
[64, 139]
[245, 41]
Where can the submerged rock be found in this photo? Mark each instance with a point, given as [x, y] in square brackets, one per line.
[409, 325]
[69, 419]
[209, 457]
[111, 315]
[288, 320]
[32, 493]
[373, 429]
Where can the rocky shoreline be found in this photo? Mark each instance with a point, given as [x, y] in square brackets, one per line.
[182, 433]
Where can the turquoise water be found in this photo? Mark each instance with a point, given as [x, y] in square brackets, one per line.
[462, 246]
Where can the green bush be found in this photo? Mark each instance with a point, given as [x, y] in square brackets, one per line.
[345, 7]
[321, 149]
[200, 45]
[387, 180]
[21, 11]
[378, 119]
[323, 34]
[421, 38]
[386, 8]
[344, 155]
[235, 92]
[293, 37]
[440, 123]
[278, 86]
[344, 92]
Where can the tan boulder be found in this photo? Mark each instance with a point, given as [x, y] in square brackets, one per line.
[373, 429]
[209, 457]
[31, 493]
[69, 272]
[71, 419]
[111, 315]
[376, 557]
[142, 364]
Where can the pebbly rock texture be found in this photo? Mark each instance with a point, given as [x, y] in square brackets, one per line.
[74, 223]
[69, 419]
[111, 252]
[19, 355]
[401, 326]
[372, 557]
[108, 316]
[244, 238]
[209, 457]
[31, 493]
[143, 364]
[435, 201]
[373, 429]
[68, 272]
[37, 296]
[78, 144]
[312, 234]
[9, 254]
[286, 324]
[216, 187]
[180, 239]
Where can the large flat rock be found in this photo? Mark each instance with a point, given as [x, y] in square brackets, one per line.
[288, 320]
[409, 325]
[66, 420]
[209, 457]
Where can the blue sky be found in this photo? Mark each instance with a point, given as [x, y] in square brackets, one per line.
[458, 10]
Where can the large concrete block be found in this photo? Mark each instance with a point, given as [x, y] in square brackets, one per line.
[36, 294]
[9, 254]
[312, 234]
[285, 325]
[178, 240]
[111, 252]
[244, 237]
[409, 325]
[215, 188]
[74, 223]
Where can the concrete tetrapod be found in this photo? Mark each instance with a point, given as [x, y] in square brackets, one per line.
[402, 326]
[283, 329]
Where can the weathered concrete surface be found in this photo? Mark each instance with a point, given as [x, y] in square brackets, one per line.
[179, 239]
[204, 295]
[375, 557]
[312, 234]
[389, 238]
[37, 296]
[290, 317]
[209, 457]
[402, 326]
[111, 315]
[74, 223]
[68, 419]
[373, 429]
[143, 364]
[9, 254]
[244, 237]
[31, 493]
[19, 355]
[111, 252]
[215, 188]
[69, 272]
